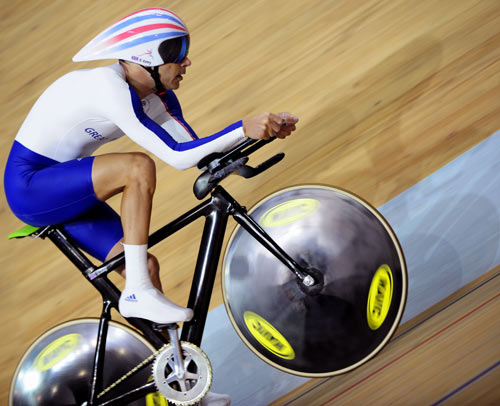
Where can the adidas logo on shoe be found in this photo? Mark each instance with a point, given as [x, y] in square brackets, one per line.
[131, 298]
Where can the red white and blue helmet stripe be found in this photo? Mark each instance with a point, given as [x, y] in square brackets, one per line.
[136, 38]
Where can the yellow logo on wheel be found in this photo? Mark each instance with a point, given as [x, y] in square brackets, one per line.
[288, 212]
[56, 351]
[379, 297]
[268, 336]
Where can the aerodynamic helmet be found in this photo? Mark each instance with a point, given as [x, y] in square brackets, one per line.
[137, 38]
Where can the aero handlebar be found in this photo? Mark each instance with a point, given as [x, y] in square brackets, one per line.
[219, 166]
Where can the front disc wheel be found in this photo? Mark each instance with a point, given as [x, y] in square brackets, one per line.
[354, 256]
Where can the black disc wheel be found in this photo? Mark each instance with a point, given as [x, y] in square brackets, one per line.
[361, 282]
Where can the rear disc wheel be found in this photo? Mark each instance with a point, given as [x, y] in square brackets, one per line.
[57, 368]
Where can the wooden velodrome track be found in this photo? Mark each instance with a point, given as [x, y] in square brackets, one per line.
[387, 92]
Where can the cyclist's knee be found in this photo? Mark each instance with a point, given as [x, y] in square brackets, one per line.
[142, 169]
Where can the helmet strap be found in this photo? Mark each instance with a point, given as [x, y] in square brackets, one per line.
[155, 74]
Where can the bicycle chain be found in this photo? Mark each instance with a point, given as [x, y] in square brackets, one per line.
[132, 371]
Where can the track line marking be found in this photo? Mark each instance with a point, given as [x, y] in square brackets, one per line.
[412, 349]
[454, 392]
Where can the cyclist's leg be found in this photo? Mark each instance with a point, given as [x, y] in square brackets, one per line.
[134, 175]
[153, 265]
[97, 231]
[41, 191]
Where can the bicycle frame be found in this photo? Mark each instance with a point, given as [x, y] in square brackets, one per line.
[216, 211]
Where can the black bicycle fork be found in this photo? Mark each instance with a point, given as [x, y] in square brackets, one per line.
[216, 211]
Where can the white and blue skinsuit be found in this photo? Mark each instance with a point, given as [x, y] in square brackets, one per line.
[48, 176]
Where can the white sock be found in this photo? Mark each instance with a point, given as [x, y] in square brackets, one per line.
[136, 265]
[140, 298]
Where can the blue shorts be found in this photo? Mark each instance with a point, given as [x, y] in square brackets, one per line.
[41, 192]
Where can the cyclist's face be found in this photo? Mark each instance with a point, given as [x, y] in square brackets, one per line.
[171, 73]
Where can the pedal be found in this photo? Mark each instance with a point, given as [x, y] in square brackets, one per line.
[162, 327]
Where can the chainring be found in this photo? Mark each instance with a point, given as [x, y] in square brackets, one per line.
[193, 386]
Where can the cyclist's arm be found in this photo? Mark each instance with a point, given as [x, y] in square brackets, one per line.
[124, 108]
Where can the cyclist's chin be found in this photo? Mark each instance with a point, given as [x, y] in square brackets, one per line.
[173, 84]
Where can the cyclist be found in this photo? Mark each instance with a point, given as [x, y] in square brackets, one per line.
[52, 178]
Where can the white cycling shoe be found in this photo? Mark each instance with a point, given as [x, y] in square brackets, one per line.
[215, 399]
[151, 304]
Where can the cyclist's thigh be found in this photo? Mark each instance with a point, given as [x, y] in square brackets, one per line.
[97, 231]
[41, 191]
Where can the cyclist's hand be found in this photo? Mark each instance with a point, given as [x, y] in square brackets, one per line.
[267, 125]
[287, 125]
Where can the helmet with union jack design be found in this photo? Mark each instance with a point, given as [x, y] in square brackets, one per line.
[140, 38]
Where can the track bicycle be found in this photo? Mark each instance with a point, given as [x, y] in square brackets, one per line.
[314, 283]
